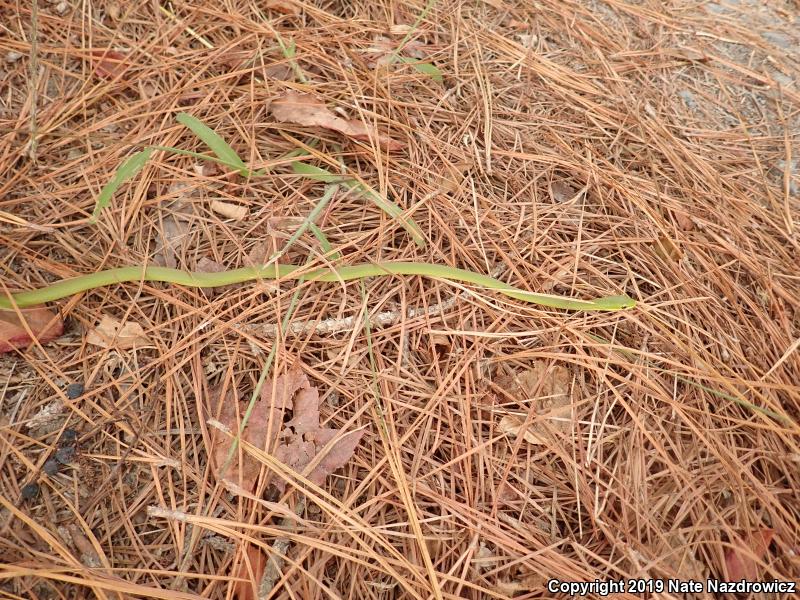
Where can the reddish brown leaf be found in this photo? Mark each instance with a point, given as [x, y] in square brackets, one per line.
[742, 563]
[301, 438]
[251, 570]
[282, 6]
[261, 430]
[305, 109]
[44, 324]
[110, 64]
[337, 456]
[112, 333]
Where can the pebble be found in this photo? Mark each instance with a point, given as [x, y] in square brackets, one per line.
[65, 455]
[68, 438]
[74, 390]
[51, 467]
[30, 491]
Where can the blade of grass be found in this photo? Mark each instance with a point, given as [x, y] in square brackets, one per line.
[423, 67]
[213, 140]
[327, 249]
[126, 171]
[389, 207]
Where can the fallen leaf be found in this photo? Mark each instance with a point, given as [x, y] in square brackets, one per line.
[88, 555]
[305, 109]
[229, 210]
[300, 440]
[684, 221]
[562, 191]
[281, 6]
[550, 388]
[45, 325]
[111, 333]
[110, 64]
[171, 237]
[452, 177]
[514, 427]
[251, 569]
[742, 562]
[667, 249]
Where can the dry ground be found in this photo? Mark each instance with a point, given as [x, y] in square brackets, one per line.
[580, 148]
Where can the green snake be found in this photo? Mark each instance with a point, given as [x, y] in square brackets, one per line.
[133, 274]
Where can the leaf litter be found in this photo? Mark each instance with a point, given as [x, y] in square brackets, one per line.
[305, 109]
[297, 443]
[44, 325]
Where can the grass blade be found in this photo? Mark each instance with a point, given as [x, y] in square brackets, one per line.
[126, 171]
[213, 140]
[425, 68]
[389, 207]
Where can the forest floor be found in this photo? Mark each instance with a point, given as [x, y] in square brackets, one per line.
[406, 437]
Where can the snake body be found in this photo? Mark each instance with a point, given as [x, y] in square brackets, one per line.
[132, 274]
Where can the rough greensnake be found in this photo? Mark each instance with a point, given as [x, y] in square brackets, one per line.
[132, 274]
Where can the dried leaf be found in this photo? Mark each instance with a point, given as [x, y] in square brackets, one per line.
[562, 191]
[45, 325]
[667, 249]
[171, 237]
[301, 438]
[111, 333]
[742, 563]
[684, 221]
[110, 64]
[550, 387]
[514, 427]
[251, 569]
[229, 210]
[305, 109]
[262, 427]
[281, 6]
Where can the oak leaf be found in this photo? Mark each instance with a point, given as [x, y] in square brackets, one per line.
[305, 109]
[742, 563]
[44, 324]
[297, 443]
[112, 333]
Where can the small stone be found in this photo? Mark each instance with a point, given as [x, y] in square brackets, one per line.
[68, 438]
[74, 390]
[65, 455]
[30, 491]
[51, 467]
[62, 8]
[12, 57]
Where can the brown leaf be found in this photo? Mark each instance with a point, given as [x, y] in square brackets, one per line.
[550, 387]
[338, 455]
[684, 221]
[305, 109]
[261, 430]
[562, 191]
[111, 333]
[667, 249]
[45, 325]
[742, 563]
[251, 569]
[281, 6]
[301, 438]
[229, 210]
[171, 237]
[110, 64]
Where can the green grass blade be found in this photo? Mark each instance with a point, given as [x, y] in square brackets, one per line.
[126, 171]
[424, 68]
[213, 140]
[327, 249]
[389, 207]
